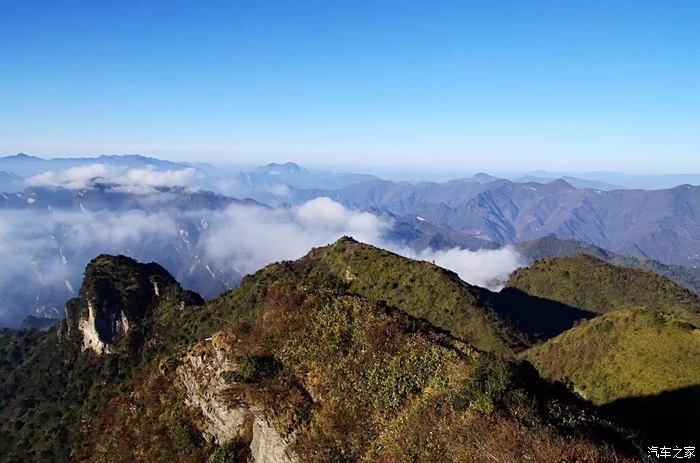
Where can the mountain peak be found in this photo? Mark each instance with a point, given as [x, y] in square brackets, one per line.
[483, 177]
[23, 156]
[560, 184]
[118, 292]
[569, 280]
[287, 167]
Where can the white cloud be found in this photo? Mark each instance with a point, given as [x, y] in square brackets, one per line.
[42, 251]
[123, 179]
[74, 178]
[325, 214]
[143, 181]
[247, 238]
[50, 249]
[488, 268]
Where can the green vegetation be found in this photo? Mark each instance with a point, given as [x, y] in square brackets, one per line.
[625, 353]
[354, 353]
[421, 289]
[629, 354]
[137, 289]
[235, 451]
[359, 381]
[251, 369]
[550, 246]
[49, 386]
[589, 283]
[492, 383]
[42, 398]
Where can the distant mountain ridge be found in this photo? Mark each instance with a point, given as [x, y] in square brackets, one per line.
[550, 246]
[626, 181]
[574, 181]
[662, 225]
[482, 211]
[589, 283]
[26, 166]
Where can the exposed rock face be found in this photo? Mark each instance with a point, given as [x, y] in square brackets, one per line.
[200, 374]
[117, 294]
[268, 446]
[91, 338]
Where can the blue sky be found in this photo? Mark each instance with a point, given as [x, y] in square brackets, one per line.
[465, 85]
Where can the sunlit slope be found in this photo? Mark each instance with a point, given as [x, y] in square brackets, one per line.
[591, 284]
[642, 365]
[422, 289]
[625, 353]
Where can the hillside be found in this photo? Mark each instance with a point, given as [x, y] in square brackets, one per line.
[550, 246]
[292, 366]
[638, 363]
[591, 284]
[421, 289]
[50, 381]
[490, 321]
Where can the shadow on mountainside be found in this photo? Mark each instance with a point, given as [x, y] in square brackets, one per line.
[537, 317]
[670, 418]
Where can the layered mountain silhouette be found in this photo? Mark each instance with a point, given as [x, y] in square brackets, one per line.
[483, 211]
[26, 165]
[656, 224]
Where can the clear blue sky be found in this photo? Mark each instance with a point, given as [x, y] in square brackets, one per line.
[470, 85]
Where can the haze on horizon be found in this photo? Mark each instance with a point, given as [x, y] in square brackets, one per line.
[469, 86]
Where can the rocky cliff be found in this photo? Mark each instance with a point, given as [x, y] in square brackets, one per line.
[201, 374]
[119, 296]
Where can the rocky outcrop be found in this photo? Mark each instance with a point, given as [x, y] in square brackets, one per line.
[200, 375]
[269, 446]
[88, 328]
[117, 294]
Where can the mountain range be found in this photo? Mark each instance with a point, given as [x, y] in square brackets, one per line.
[25, 165]
[50, 234]
[351, 353]
[655, 229]
[617, 180]
[663, 225]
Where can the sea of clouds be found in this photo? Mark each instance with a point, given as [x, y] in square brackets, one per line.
[249, 238]
[123, 179]
[50, 249]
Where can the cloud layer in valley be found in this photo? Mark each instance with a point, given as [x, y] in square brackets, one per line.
[44, 254]
[248, 238]
[122, 179]
[488, 268]
[47, 252]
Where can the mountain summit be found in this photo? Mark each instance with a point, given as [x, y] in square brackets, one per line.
[120, 296]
